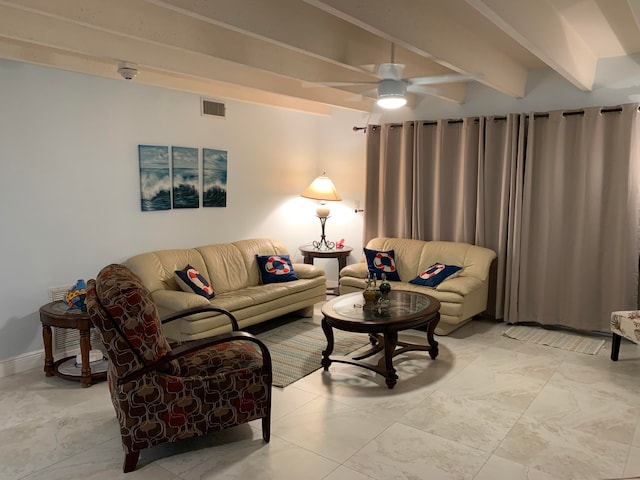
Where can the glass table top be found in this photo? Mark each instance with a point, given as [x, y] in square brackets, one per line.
[401, 304]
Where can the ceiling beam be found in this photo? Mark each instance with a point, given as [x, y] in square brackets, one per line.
[539, 28]
[48, 57]
[298, 26]
[304, 29]
[634, 5]
[420, 27]
[151, 47]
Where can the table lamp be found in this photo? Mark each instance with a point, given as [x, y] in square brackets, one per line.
[323, 189]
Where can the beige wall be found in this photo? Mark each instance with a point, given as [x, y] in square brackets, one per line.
[69, 184]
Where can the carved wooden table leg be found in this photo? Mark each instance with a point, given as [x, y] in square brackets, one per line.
[431, 327]
[85, 348]
[328, 332]
[390, 342]
[47, 339]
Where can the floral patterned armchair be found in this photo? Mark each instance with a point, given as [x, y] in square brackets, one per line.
[624, 324]
[163, 392]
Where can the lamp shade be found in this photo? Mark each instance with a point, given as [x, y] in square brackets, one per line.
[322, 188]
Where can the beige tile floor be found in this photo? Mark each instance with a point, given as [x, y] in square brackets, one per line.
[488, 408]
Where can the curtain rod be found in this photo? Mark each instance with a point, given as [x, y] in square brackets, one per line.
[578, 112]
[535, 115]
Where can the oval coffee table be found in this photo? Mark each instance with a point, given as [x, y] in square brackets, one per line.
[406, 310]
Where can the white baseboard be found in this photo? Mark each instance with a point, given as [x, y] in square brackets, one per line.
[22, 363]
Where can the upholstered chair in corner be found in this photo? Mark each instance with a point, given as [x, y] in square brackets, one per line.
[163, 392]
[624, 324]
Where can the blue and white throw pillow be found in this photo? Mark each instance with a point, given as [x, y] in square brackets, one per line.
[190, 280]
[276, 268]
[379, 262]
[435, 274]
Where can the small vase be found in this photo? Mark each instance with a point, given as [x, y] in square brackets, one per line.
[370, 293]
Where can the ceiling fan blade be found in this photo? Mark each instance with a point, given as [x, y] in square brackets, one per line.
[420, 89]
[373, 93]
[370, 67]
[336, 84]
[447, 78]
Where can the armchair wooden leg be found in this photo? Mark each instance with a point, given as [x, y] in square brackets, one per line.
[615, 346]
[130, 461]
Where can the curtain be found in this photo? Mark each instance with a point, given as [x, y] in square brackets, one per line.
[444, 180]
[387, 208]
[578, 235]
[554, 195]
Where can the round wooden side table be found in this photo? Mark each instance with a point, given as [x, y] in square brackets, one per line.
[57, 314]
[309, 252]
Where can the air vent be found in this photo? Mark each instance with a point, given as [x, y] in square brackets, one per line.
[211, 108]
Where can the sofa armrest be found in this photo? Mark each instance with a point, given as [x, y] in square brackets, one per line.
[304, 270]
[357, 270]
[462, 285]
[174, 300]
[196, 310]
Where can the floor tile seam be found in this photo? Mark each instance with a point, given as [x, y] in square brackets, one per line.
[637, 430]
[332, 471]
[604, 396]
[632, 392]
[455, 374]
[626, 462]
[487, 451]
[482, 466]
[480, 451]
[522, 415]
[64, 459]
[572, 430]
[487, 403]
[527, 468]
[620, 444]
[307, 449]
[290, 412]
[372, 439]
[373, 410]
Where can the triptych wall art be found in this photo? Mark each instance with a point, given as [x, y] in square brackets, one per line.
[174, 181]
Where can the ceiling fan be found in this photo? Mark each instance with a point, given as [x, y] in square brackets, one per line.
[391, 90]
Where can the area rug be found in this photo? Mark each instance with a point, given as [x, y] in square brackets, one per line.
[552, 338]
[296, 348]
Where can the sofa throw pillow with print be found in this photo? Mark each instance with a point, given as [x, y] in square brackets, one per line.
[379, 262]
[435, 274]
[276, 269]
[190, 280]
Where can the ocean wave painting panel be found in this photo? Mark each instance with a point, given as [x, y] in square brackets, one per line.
[155, 179]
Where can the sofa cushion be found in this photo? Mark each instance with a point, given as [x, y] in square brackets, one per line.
[379, 262]
[190, 280]
[435, 274]
[275, 269]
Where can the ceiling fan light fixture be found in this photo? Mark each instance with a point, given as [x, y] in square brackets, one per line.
[392, 93]
[391, 102]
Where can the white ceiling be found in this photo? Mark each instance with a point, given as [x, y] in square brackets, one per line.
[270, 51]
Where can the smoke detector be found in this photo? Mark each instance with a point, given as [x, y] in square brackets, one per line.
[127, 70]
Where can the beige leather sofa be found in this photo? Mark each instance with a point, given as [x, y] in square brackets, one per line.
[461, 297]
[233, 272]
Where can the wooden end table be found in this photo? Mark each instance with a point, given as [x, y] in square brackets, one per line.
[57, 314]
[309, 252]
[406, 310]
